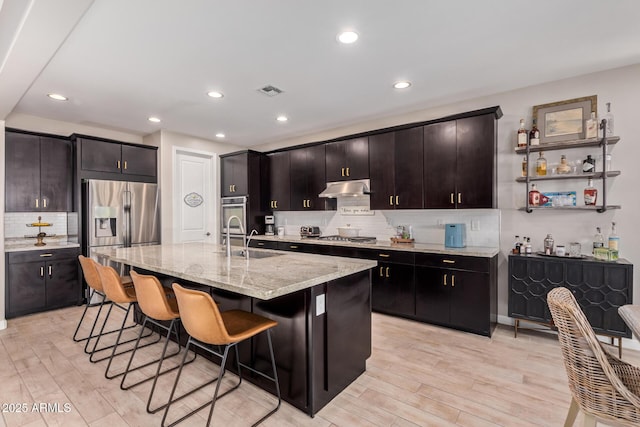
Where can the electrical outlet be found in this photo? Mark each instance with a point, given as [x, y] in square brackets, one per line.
[475, 225]
[440, 222]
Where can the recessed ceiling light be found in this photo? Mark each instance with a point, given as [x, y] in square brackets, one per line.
[57, 97]
[215, 94]
[282, 118]
[401, 85]
[154, 119]
[220, 135]
[347, 37]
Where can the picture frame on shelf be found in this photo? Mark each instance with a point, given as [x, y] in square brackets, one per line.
[564, 120]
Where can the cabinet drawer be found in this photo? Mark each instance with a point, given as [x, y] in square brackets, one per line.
[454, 261]
[263, 244]
[396, 257]
[44, 255]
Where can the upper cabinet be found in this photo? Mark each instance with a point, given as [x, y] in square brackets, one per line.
[308, 178]
[112, 157]
[279, 181]
[395, 166]
[348, 159]
[38, 173]
[459, 163]
[235, 174]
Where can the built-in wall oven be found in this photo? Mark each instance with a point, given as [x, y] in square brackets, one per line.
[234, 206]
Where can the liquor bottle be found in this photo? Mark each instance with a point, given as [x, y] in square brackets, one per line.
[614, 239]
[527, 248]
[589, 164]
[522, 135]
[516, 245]
[534, 196]
[608, 131]
[564, 166]
[541, 165]
[525, 166]
[534, 135]
[598, 240]
[523, 246]
[548, 245]
[591, 127]
[590, 193]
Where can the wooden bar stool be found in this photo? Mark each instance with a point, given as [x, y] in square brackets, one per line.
[206, 326]
[119, 294]
[158, 306]
[92, 278]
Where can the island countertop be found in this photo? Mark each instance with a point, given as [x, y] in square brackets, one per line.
[265, 275]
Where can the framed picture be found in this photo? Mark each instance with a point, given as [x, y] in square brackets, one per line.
[564, 120]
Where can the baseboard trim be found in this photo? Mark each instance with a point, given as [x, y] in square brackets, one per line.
[3, 324]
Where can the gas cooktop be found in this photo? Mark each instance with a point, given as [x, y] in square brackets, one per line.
[359, 239]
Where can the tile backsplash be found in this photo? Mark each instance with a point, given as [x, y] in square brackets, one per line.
[15, 224]
[483, 225]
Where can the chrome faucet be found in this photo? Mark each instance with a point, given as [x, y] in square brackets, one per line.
[246, 246]
[228, 242]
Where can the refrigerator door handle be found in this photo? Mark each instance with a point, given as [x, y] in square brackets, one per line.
[126, 216]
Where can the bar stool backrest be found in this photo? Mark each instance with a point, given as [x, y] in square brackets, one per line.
[90, 273]
[200, 316]
[152, 298]
[112, 285]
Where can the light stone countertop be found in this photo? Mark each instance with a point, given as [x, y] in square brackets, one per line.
[263, 278]
[476, 251]
[24, 244]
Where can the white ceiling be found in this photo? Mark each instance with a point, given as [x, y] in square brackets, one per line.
[121, 61]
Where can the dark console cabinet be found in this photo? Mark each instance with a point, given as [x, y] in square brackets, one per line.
[599, 287]
[41, 280]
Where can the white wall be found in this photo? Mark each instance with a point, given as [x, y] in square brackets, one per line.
[167, 141]
[619, 86]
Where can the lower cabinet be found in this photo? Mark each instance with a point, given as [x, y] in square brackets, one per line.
[392, 289]
[41, 280]
[599, 287]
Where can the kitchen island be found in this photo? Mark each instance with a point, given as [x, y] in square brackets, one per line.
[322, 305]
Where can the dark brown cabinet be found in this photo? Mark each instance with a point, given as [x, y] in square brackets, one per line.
[38, 173]
[459, 163]
[396, 169]
[279, 181]
[235, 174]
[599, 288]
[308, 178]
[41, 280]
[392, 289]
[348, 159]
[98, 155]
[458, 292]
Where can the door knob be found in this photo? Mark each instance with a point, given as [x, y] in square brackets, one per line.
[208, 234]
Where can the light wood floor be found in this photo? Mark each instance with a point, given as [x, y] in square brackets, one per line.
[418, 375]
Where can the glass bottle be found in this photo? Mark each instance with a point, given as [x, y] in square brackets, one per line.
[591, 127]
[516, 245]
[541, 165]
[548, 245]
[522, 135]
[564, 166]
[534, 196]
[534, 135]
[598, 240]
[614, 239]
[609, 117]
[590, 193]
[589, 164]
[525, 166]
[528, 249]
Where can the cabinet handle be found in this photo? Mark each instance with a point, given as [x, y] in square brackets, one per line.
[445, 280]
[459, 198]
[41, 271]
[387, 275]
[453, 280]
[452, 198]
[342, 172]
[50, 271]
[260, 244]
[125, 165]
[271, 204]
[44, 203]
[384, 255]
[397, 200]
[275, 204]
[390, 200]
[234, 188]
[45, 255]
[448, 261]
[347, 171]
[293, 247]
[381, 268]
[118, 164]
[37, 203]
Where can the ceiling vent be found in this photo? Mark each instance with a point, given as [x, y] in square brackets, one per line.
[270, 90]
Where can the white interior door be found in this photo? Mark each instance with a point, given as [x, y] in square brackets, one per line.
[194, 204]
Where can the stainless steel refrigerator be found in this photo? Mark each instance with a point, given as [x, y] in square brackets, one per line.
[119, 214]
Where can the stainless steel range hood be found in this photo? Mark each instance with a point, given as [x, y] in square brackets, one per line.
[346, 189]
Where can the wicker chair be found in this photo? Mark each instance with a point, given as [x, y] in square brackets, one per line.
[602, 386]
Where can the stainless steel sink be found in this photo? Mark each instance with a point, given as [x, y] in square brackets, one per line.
[256, 254]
